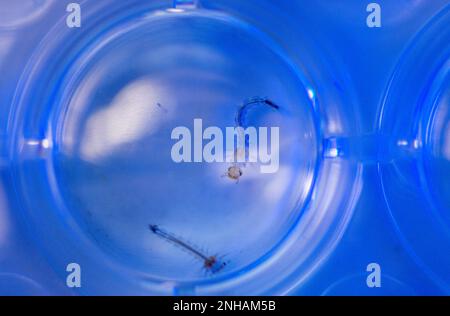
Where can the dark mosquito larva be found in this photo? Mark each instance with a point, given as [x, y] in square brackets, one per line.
[211, 263]
[243, 109]
[159, 105]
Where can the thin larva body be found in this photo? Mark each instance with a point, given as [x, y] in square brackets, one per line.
[234, 172]
[241, 114]
[210, 263]
[159, 105]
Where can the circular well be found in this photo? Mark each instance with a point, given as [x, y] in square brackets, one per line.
[415, 116]
[94, 152]
[113, 164]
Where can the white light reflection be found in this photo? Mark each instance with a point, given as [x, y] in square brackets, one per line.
[311, 94]
[134, 112]
[279, 185]
[17, 14]
[6, 45]
[446, 143]
[175, 10]
[402, 142]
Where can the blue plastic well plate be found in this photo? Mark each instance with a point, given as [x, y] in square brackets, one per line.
[85, 149]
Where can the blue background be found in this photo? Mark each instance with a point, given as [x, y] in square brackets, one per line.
[369, 55]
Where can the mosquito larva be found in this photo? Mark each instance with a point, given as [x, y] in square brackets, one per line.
[245, 107]
[159, 105]
[211, 263]
[234, 172]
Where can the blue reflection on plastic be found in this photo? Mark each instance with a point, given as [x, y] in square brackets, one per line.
[85, 139]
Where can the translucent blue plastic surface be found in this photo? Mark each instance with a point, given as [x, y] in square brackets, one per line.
[86, 116]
